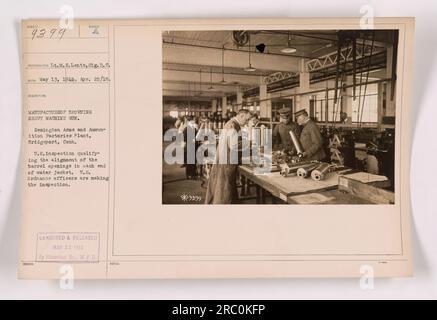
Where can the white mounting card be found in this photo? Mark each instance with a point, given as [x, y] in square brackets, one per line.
[94, 195]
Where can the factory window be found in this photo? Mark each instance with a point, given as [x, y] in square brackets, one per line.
[365, 108]
[367, 112]
[279, 104]
[333, 113]
[174, 114]
[318, 112]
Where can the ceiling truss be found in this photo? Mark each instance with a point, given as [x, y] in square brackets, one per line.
[346, 55]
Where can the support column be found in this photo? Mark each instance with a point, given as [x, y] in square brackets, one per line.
[390, 104]
[224, 106]
[214, 105]
[381, 98]
[303, 102]
[265, 107]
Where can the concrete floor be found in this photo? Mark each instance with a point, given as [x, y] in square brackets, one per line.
[179, 190]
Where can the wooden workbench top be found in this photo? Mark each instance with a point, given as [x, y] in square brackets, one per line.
[284, 187]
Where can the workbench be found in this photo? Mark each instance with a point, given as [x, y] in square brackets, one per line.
[296, 190]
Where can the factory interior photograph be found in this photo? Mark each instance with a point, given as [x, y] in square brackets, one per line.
[322, 103]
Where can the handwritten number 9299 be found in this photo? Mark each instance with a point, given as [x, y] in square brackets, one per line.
[54, 33]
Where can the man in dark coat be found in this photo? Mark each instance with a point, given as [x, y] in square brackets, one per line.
[222, 183]
[281, 132]
[254, 121]
[310, 137]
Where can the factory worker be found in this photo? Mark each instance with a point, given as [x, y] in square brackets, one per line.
[222, 183]
[281, 132]
[254, 121]
[310, 137]
[178, 122]
[189, 132]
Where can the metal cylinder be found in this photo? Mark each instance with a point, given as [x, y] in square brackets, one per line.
[305, 171]
[302, 173]
[320, 172]
[288, 170]
[296, 142]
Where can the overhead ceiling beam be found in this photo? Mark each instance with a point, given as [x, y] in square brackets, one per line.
[207, 69]
[191, 99]
[241, 49]
[188, 88]
[193, 94]
[193, 76]
[197, 84]
[212, 57]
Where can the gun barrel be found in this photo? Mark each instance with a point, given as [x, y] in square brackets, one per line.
[296, 142]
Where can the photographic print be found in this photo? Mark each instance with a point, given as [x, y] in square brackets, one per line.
[279, 116]
[216, 148]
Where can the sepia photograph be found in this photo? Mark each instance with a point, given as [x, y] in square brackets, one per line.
[279, 116]
[177, 132]
[218, 151]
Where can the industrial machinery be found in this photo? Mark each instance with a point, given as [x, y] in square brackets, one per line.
[367, 149]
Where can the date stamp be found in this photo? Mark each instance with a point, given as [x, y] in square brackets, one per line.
[68, 247]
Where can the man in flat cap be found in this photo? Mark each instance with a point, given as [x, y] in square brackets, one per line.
[281, 132]
[310, 137]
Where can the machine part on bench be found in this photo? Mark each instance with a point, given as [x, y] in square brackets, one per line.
[291, 169]
[285, 170]
[320, 172]
[305, 171]
[288, 170]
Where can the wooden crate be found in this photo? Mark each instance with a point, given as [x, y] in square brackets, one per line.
[365, 191]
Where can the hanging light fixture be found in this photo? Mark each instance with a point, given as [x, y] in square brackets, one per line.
[200, 82]
[249, 68]
[211, 88]
[189, 96]
[288, 48]
[223, 66]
